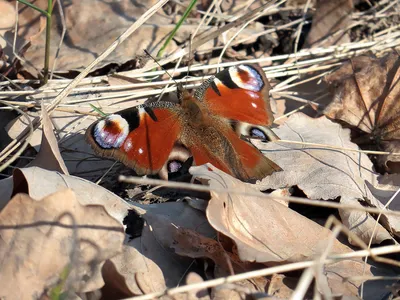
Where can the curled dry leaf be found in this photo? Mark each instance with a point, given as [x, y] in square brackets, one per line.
[323, 173]
[41, 239]
[148, 262]
[264, 231]
[49, 156]
[366, 92]
[269, 232]
[192, 244]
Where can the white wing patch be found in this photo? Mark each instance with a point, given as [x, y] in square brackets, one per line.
[253, 82]
[111, 132]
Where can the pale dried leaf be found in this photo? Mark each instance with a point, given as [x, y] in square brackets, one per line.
[387, 186]
[7, 20]
[362, 224]
[49, 156]
[39, 183]
[365, 95]
[40, 238]
[193, 278]
[266, 231]
[323, 173]
[132, 272]
[281, 286]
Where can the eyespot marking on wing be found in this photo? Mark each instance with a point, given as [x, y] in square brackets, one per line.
[246, 77]
[111, 132]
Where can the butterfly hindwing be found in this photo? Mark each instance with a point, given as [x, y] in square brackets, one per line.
[140, 137]
[240, 94]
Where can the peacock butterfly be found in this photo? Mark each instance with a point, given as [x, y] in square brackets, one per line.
[208, 126]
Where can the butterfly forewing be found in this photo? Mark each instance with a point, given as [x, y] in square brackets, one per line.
[238, 93]
[141, 137]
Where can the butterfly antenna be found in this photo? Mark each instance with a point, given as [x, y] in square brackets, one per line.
[190, 58]
[165, 70]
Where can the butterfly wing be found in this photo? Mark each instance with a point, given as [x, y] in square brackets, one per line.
[233, 155]
[125, 136]
[239, 93]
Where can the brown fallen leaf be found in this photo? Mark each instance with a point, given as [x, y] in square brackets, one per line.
[365, 95]
[41, 239]
[282, 286]
[145, 262]
[327, 173]
[271, 233]
[330, 17]
[190, 243]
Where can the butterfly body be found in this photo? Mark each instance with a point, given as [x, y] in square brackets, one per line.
[148, 137]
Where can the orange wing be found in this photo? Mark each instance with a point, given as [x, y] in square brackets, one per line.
[239, 93]
[141, 137]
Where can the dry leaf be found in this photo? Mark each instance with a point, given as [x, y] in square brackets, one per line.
[267, 231]
[326, 173]
[42, 238]
[88, 33]
[7, 21]
[145, 261]
[330, 17]
[193, 278]
[282, 286]
[365, 96]
[133, 273]
[192, 244]
[49, 156]
[264, 231]
[39, 183]
[148, 263]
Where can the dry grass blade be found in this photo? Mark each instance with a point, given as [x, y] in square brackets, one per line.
[266, 272]
[68, 89]
[201, 188]
[206, 36]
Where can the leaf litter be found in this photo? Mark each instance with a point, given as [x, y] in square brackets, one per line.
[365, 96]
[174, 242]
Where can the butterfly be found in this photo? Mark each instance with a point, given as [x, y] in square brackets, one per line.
[207, 126]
